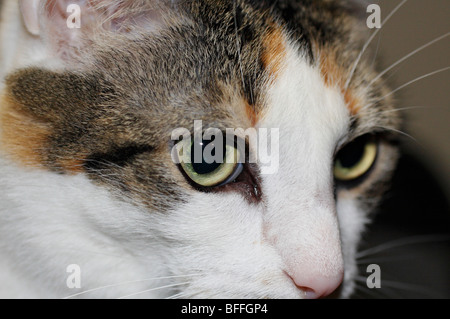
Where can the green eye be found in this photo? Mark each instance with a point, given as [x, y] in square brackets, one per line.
[216, 164]
[356, 159]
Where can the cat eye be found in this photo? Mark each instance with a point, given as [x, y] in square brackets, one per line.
[210, 163]
[356, 159]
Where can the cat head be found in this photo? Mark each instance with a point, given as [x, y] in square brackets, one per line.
[137, 70]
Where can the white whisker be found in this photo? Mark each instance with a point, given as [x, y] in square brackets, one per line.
[408, 287]
[409, 108]
[154, 289]
[406, 85]
[390, 284]
[422, 239]
[401, 133]
[176, 296]
[413, 81]
[128, 283]
[407, 57]
[376, 51]
[366, 45]
[374, 293]
[371, 260]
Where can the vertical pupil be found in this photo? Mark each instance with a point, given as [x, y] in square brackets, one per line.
[352, 154]
[207, 165]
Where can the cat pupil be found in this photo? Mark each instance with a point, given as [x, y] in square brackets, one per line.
[207, 165]
[352, 154]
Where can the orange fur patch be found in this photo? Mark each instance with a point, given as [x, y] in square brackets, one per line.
[353, 104]
[72, 165]
[251, 114]
[334, 76]
[21, 136]
[274, 52]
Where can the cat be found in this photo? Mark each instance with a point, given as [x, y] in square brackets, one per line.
[89, 188]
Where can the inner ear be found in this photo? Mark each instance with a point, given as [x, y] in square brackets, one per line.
[30, 14]
[67, 26]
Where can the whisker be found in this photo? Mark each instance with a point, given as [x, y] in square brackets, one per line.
[176, 296]
[366, 45]
[376, 51]
[407, 57]
[409, 108]
[154, 289]
[401, 133]
[127, 283]
[377, 292]
[371, 260]
[411, 82]
[420, 289]
[187, 295]
[409, 287]
[421, 239]
[373, 293]
[403, 86]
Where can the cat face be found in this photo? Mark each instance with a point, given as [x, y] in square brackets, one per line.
[108, 116]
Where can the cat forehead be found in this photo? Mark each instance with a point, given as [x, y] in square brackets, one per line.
[231, 53]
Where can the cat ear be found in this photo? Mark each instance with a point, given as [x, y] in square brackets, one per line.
[30, 9]
[67, 25]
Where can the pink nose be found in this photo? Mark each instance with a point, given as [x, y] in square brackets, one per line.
[315, 285]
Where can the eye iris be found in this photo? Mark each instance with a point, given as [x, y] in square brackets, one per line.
[210, 164]
[356, 159]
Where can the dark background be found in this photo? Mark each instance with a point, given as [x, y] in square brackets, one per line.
[413, 223]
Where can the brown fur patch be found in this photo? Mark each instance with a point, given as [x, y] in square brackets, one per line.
[274, 52]
[22, 137]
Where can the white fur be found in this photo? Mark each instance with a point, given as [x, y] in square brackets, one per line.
[215, 245]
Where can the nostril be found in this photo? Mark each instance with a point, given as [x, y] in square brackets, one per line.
[309, 293]
[314, 287]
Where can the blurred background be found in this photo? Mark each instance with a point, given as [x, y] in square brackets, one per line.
[411, 233]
